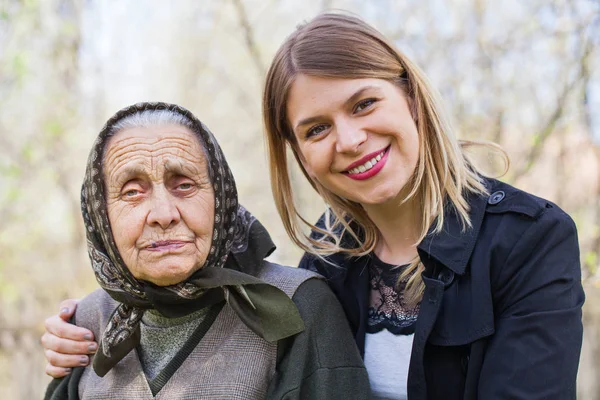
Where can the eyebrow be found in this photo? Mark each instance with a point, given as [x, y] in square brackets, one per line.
[127, 173]
[173, 167]
[183, 168]
[359, 93]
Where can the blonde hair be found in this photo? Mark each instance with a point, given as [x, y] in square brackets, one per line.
[343, 46]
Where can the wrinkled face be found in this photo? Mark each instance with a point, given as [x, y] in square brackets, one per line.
[357, 136]
[160, 202]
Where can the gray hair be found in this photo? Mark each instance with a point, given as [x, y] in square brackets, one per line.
[148, 118]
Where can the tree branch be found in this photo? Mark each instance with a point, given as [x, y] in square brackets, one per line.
[544, 133]
[249, 37]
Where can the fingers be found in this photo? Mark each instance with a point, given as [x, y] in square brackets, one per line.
[67, 308]
[65, 361]
[57, 326]
[57, 372]
[67, 346]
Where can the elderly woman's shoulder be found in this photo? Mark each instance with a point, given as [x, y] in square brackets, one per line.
[98, 297]
[286, 278]
[308, 289]
[271, 271]
[94, 310]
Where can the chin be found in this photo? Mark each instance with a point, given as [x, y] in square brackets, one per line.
[381, 196]
[169, 274]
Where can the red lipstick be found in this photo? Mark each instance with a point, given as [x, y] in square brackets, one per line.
[361, 176]
[364, 159]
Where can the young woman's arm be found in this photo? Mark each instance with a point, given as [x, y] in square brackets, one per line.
[538, 295]
[65, 345]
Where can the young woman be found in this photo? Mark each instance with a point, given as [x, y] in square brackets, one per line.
[456, 286]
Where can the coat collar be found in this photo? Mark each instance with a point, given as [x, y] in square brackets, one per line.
[453, 245]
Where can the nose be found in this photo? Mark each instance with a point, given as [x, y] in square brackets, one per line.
[349, 138]
[163, 210]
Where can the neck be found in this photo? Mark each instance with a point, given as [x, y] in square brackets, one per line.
[399, 229]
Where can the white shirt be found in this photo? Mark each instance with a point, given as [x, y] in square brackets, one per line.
[387, 357]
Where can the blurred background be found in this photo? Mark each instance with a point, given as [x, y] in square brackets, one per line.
[523, 74]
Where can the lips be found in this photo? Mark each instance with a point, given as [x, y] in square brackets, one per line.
[371, 165]
[166, 245]
[367, 162]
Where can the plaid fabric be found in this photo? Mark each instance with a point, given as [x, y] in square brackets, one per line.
[231, 361]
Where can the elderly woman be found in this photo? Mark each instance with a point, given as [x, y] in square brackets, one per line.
[189, 308]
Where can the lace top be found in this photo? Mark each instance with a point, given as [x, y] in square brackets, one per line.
[387, 308]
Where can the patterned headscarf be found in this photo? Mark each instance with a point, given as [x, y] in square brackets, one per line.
[233, 233]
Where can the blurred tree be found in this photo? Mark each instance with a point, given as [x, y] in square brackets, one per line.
[523, 74]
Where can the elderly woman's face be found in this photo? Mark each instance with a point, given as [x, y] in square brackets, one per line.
[160, 202]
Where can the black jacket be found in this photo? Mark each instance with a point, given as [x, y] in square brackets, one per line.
[501, 314]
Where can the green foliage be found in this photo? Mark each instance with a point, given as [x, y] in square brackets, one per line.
[54, 128]
[30, 4]
[27, 152]
[2, 280]
[11, 171]
[595, 231]
[19, 66]
[69, 29]
[13, 194]
[9, 293]
[590, 260]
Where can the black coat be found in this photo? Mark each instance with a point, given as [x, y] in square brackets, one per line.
[501, 314]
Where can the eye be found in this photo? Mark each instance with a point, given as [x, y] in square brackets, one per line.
[364, 104]
[316, 130]
[182, 184]
[131, 193]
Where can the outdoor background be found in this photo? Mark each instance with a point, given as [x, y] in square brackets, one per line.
[525, 74]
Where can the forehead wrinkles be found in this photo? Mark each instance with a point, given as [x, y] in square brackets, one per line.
[178, 153]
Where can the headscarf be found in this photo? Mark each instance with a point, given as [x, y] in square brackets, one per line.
[265, 309]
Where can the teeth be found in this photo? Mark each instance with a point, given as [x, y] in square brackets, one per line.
[368, 165]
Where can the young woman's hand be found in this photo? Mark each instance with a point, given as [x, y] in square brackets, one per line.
[66, 345]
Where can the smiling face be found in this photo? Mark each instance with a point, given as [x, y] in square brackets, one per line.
[357, 137]
[160, 201]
